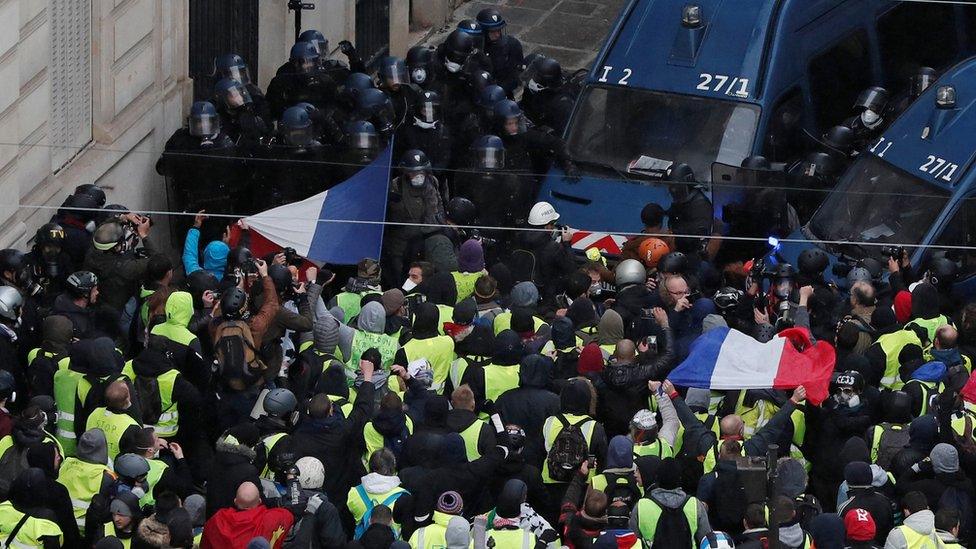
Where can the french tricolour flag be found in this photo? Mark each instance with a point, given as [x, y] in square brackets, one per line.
[340, 226]
[723, 358]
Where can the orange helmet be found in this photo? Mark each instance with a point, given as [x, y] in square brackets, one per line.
[651, 251]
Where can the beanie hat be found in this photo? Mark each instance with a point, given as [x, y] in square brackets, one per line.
[669, 474]
[590, 360]
[311, 473]
[525, 294]
[522, 321]
[792, 477]
[471, 257]
[698, 398]
[196, 504]
[945, 458]
[859, 525]
[457, 535]
[903, 306]
[392, 300]
[92, 447]
[465, 311]
[126, 504]
[450, 503]
[858, 473]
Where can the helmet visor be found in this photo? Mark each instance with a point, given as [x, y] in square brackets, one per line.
[872, 99]
[204, 125]
[921, 82]
[363, 140]
[514, 125]
[237, 96]
[298, 137]
[490, 158]
[237, 72]
[395, 74]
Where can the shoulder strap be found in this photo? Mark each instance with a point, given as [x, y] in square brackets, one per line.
[393, 497]
[365, 497]
[562, 419]
[16, 530]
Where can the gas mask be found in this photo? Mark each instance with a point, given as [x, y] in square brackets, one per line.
[870, 119]
[418, 75]
[417, 181]
[847, 397]
[535, 86]
[451, 66]
[50, 255]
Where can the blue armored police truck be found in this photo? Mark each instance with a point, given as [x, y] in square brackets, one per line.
[913, 188]
[715, 81]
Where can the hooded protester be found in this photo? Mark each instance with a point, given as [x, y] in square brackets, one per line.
[609, 332]
[87, 476]
[370, 335]
[44, 362]
[827, 531]
[531, 403]
[918, 528]
[26, 502]
[179, 341]
[234, 457]
[941, 481]
[426, 343]
[28, 430]
[506, 529]
[668, 494]
[619, 479]
[862, 495]
[923, 434]
[502, 374]
[47, 458]
[214, 254]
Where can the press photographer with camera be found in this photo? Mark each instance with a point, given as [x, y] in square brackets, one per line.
[119, 262]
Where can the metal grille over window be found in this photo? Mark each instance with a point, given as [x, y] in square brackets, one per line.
[71, 81]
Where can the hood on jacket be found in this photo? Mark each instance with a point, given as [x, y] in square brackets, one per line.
[440, 289]
[670, 498]
[179, 309]
[620, 454]
[228, 444]
[563, 333]
[575, 397]
[509, 503]
[855, 449]
[152, 361]
[508, 348]
[792, 477]
[325, 334]
[390, 423]
[480, 342]
[372, 318]
[439, 250]
[28, 431]
[922, 522]
[215, 258]
[535, 371]
[425, 321]
[29, 489]
[57, 331]
[791, 535]
[582, 313]
[827, 531]
[611, 328]
[334, 381]
[525, 294]
[923, 433]
[949, 357]
[97, 357]
[930, 371]
[451, 450]
[93, 447]
[375, 483]
[42, 456]
[925, 301]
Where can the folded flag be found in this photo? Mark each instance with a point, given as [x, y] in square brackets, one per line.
[723, 358]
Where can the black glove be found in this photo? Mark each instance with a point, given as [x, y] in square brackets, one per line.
[347, 48]
[488, 407]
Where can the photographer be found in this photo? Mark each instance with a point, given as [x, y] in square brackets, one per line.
[293, 314]
[118, 264]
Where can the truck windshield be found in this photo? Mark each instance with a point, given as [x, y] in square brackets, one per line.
[877, 202]
[614, 126]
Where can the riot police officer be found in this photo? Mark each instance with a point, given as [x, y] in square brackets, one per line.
[415, 197]
[200, 161]
[301, 174]
[420, 65]
[394, 80]
[336, 69]
[496, 194]
[360, 145]
[306, 82]
[375, 107]
[544, 100]
[690, 212]
[451, 83]
[425, 131]
[871, 109]
[528, 149]
[50, 263]
[504, 51]
[245, 122]
[920, 81]
[233, 66]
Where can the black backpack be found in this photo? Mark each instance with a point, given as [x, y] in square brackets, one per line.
[627, 492]
[569, 450]
[672, 528]
[894, 438]
[13, 462]
[729, 506]
[150, 403]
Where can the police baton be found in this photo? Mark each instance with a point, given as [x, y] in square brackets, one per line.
[772, 452]
[298, 6]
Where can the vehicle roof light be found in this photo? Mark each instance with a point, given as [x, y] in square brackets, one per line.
[691, 16]
[945, 97]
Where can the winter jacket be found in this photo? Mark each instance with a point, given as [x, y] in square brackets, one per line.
[624, 388]
[214, 255]
[176, 338]
[119, 275]
[234, 461]
[867, 497]
[322, 530]
[530, 404]
[80, 317]
[922, 522]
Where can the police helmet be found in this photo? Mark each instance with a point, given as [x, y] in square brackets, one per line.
[506, 111]
[296, 126]
[491, 19]
[756, 162]
[478, 80]
[360, 134]
[896, 407]
[81, 283]
[414, 161]
[458, 47]
[355, 83]
[82, 206]
[233, 303]
[680, 172]
[204, 121]
[489, 152]
[840, 138]
[49, 234]
[548, 72]
[874, 98]
[131, 466]
[375, 106]
[92, 190]
[727, 298]
[427, 108]
[818, 165]
[942, 271]
[858, 274]
[812, 262]
[674, 262]
[542, 214]
[279, 403]
[109, 235]
[850, 378]
[316, 39]
[233, 66]
[784, 270]
[232, 93]
[473, 29]
[490, 96]
[630, 271]
[10, 303]
[281, 277]
[393, 71]
[874, 266]
[461, 211]
[304, 57]
[420, 59]
[922, 79]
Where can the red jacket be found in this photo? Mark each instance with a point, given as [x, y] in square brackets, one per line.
[232, 529]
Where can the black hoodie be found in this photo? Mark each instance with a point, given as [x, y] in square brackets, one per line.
[101, 364]
[29, 495]
[530, 404]
[153, 362]
[58, 500]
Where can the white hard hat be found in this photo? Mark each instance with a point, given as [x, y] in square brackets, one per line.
[311, 473]
[542, 214]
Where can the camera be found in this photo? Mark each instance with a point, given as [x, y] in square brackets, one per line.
[894, 252]
[651, 342]
[292, 258]
[475, 234]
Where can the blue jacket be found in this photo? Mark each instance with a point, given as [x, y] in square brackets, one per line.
[214, 255]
